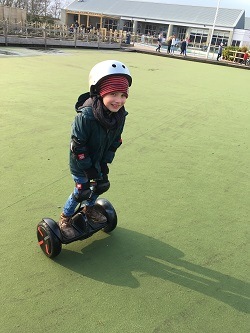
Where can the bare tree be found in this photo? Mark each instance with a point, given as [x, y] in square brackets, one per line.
[55, 8]
[14, 3]
[39, 8]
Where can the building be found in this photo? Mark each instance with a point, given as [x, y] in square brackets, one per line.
[149, 18]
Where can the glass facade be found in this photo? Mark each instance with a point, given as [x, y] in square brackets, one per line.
[220, 37]
[182, 33]
[110, 24]
[139, 28]
[128, 26]
[236, 43]
[150, 29]
[198, 38]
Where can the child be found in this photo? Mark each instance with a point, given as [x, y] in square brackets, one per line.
[245, 57]
[95, 136]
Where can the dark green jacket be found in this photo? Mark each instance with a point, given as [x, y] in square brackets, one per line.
[92, 144]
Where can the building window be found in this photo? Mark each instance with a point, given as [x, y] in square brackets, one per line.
[110, 24]
[198, 38]
[220, 37]
[182, 33]
[236, 43]
[150, 29]
[128, 26]
[139, 28]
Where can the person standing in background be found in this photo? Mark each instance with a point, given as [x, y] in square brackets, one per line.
[173, 42]
[184, 47]
[169, 42]
[159, 41]
[220, 49]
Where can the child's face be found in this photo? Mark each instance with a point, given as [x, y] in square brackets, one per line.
[114, 101]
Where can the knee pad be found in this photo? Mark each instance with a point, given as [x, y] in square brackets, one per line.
[102, 187]
[81, 192]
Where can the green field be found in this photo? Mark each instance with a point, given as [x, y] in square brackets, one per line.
[178, 261]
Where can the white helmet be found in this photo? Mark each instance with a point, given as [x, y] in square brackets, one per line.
[104, 69]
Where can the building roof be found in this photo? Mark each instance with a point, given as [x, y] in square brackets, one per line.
[159, 12]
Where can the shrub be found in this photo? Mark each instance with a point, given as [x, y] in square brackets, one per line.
[227, 54]
[244, 49]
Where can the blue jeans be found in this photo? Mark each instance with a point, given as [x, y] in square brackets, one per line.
[71, 203]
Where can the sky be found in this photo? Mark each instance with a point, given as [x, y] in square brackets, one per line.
[236, 4]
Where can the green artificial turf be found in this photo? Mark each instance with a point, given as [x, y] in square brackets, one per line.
[178, 261]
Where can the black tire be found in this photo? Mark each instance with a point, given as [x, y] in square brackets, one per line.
[109, 212]
[111, 226]
[49, 243]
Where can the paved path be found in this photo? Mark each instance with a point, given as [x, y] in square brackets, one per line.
[197, 56]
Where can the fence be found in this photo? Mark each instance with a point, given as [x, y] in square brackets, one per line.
[41, 33]
[236, 56]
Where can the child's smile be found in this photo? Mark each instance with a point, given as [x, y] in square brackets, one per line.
[114, 101]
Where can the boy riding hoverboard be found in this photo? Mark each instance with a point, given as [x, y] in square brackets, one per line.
[95, 137]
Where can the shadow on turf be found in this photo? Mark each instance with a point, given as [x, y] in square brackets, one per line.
[114, 259]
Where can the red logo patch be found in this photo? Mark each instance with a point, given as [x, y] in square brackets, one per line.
[78, 186]
[81, 157]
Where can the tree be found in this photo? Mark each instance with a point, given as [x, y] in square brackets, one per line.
[55, 8]
[37, 8]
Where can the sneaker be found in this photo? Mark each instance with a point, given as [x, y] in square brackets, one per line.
[65, 225]
[94, 214]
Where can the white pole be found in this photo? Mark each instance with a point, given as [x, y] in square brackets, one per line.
[215, 18]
